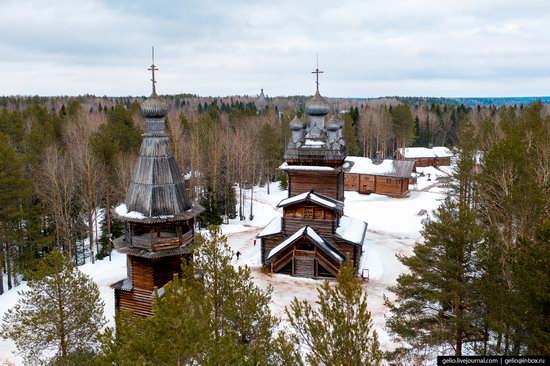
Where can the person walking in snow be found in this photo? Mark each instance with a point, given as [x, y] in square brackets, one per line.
[238, 254]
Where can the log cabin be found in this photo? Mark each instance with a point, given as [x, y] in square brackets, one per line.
[387, 177]
[157, 214]
[313, 238]
[426, 156]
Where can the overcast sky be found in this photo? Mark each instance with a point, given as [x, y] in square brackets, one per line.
[366, 48]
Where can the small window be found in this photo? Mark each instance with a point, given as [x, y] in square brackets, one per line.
[388, 180]
[308, 213]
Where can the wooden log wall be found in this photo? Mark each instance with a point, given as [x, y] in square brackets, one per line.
[442, 161]
[142, 272]
[325, 228]
[269, 243]
[165, 268]
[351, 182]
[304, 266]
[388, 185]
[328, 183]
[139, 301]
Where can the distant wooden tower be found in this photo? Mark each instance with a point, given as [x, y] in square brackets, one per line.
[313, 238]
[158, 215]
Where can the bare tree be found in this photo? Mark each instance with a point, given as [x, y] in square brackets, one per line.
[90, 173]
[56, 188]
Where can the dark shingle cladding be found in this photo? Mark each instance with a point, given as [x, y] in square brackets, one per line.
[157, 187]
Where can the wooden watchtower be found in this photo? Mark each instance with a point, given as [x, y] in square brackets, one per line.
[314, 237]
[158, 215]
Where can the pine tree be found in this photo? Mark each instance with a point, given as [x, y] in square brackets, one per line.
[350, 135]
[437, 305]
[403, 125]
[58, 316]
[271, 151]
[14, 191]
[340, 331]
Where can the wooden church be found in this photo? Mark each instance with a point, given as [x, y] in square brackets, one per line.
[313, 238]
[157, 214]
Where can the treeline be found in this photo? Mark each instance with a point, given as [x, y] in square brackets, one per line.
[479, 283]
[57, 169]
[66, 161]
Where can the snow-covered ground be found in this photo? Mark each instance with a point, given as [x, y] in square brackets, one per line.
[394, 228]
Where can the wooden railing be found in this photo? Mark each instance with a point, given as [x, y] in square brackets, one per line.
[148, 241]
[278, 264]
[326, 263]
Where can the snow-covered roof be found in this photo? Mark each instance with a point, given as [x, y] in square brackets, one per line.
[352, 230]
[121, 212]
[387, 168]
[424, 152]
[312, 196]
[275, 226]
[315, 238]
[314, 143]
[285, 166]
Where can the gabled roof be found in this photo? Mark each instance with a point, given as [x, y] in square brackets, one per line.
[425, 152]
[386, 168]
[275, 226]
[314, 197]
[352, 230]
[315, 238]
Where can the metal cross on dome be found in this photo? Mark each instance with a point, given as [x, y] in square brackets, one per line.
[153, 69]
[317, 72]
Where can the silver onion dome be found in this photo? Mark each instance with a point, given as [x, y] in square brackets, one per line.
[317, 105]
[296, 124]
[334, 123]
[154, 107]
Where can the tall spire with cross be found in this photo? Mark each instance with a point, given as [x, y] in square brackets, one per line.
[153, 69]
[317, 72]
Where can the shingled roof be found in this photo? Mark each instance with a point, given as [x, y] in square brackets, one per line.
[157, 187]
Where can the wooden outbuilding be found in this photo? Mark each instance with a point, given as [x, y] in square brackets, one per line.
[387, 177]
[426, 156]
[313, 238]
[157, 214]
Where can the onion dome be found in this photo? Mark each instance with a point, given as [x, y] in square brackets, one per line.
[334, 123]
[317, 105]
[154, 107]
[296, 124]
